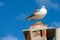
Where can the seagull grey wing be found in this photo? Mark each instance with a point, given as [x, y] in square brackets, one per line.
[36, 11]
[30, 17]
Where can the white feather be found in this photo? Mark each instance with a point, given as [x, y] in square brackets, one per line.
[42, 11]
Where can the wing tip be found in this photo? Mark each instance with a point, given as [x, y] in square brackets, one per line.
[27, 18]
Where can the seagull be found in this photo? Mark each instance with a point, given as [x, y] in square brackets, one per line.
[38, 14]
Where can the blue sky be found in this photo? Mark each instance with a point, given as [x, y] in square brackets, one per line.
[14, 12]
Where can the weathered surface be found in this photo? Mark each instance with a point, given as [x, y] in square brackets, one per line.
[50, 34]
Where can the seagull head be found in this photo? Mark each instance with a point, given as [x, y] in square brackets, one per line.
[43, 6]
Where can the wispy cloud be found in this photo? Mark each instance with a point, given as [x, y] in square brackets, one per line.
[9, 37]
[1, 4]
[0, 39]
[21, 17]
[55, 24]
[48, 3]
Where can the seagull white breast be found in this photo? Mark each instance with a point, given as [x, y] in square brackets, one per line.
[43, 11]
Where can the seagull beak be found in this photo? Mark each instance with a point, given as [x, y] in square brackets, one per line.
[44, 7]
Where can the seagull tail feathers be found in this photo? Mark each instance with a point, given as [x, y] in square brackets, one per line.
[28, 19]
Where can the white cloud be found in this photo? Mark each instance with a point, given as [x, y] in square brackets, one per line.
[1, 4]
[0, 39]
[21, 17]
[55, 24]
[48, 3]
[9, 37]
